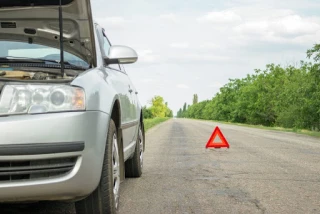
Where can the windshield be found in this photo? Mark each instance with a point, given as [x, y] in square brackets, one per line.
[25, 50]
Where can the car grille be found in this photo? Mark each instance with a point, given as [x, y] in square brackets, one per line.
[35, 169]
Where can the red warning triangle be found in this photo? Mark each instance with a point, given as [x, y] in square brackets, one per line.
[216, 144]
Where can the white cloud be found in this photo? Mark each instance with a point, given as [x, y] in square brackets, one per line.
[170, 17]
[113, 21]
[180, 45]
[261, 12]
[144, 52]
[294, 25]
[209, 45]
[198, 57]
[147, 80]
[183, 86]
[146, 56]
[286, 26]
[254, 27]
[215, 85]
[222, 17]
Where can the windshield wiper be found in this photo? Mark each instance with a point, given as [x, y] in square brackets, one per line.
[10, 59]
[26, 59]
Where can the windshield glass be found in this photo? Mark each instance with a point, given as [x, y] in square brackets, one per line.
[25, 50]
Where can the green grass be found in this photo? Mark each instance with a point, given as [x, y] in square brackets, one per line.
[149, 123]
[298, 131]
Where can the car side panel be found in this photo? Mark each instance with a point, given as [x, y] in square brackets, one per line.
[105, 85]
[120, 82]
[136, 111]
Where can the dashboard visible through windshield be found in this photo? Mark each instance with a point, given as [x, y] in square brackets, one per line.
[35, 51]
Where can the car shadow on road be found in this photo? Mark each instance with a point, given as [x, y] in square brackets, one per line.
[38, 208]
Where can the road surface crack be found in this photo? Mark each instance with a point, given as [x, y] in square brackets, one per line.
[258, 205]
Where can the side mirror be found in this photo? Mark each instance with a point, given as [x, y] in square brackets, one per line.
[121, 55]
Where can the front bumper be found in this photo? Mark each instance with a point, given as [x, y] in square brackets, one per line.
[76, 136]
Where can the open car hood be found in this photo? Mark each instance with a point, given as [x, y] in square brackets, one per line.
[37, 21]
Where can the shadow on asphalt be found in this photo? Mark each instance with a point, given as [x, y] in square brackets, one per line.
[38, 208]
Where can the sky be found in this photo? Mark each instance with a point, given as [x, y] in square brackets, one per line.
[188, 47]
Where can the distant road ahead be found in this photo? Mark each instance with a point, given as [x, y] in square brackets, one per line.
[262, 172]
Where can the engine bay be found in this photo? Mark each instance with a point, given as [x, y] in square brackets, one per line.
[23, 75]
[32, 74]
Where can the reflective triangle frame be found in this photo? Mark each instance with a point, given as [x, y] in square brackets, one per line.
[212, 144]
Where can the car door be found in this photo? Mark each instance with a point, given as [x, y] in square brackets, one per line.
[135, 113]
[125, 90]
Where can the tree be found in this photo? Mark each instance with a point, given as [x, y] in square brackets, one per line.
[273, 96]
[184, 107]
[315, 77]
[146, 112]
[179, 113]
[195, 99]
[315, 52]
[169, 112]
[158, 108]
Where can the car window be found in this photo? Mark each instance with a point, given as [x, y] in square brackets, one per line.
[106, 45]
[106, 48]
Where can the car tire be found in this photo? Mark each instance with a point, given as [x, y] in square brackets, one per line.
[105, 199]
[134, 165]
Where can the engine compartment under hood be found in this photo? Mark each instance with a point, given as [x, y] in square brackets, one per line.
[17, 73]
[31, 75]
[37, 22]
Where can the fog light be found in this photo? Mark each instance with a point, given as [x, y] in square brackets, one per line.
[37, 109]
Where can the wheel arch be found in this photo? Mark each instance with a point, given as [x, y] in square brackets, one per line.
[115, 115]
[143, 130]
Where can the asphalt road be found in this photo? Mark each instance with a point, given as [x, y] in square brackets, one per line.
[262, 172]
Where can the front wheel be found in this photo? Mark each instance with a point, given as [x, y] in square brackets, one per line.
[134, 165]
[105, 199]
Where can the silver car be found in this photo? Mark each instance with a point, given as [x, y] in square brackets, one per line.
[71, 123]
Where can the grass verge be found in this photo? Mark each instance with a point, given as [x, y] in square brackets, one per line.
[294, 130]
[149, 123]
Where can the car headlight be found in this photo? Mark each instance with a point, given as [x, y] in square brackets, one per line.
[35, 99]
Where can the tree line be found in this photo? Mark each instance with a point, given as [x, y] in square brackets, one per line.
[274, 96]
[158, 108]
